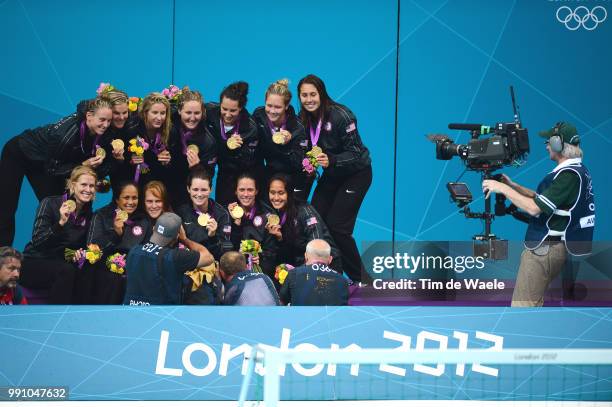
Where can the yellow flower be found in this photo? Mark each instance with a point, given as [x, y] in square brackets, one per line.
[133, 106]
[282, 275]
[113, 268]
[139, 150]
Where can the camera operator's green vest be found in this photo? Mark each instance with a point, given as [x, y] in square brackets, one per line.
[578, 234]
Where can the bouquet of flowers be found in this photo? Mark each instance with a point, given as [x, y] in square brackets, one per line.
[138, 146]
[251, 248]
[92, 255]
[310, 163]
[116, 263]
[133, 103]
[282, 271]
[172, 92]
[104, 87]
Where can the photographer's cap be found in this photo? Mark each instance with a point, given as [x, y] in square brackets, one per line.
[566, 131]
[166, 229]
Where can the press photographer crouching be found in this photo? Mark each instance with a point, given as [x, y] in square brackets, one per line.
[562, 213]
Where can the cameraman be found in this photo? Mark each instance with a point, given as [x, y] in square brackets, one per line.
[562, 215]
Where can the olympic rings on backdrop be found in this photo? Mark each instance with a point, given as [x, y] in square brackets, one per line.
[581, 17]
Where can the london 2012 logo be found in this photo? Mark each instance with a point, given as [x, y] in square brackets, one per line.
[581, 17]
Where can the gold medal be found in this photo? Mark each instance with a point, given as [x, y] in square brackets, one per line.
[278, 137]
[122, 215]
[203, 219]
[232, 143]
[273, 220]
[237, 212]
[118, 144]
[194, 148]
[71, 205]
[100, 152]
[316, 150]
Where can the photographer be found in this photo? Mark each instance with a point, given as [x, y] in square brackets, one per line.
[562, 215]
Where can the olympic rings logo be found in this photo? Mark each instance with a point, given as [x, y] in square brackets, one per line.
[581, 17]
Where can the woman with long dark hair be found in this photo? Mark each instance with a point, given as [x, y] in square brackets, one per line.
[347, 169]
[249, 219]
[205, 221]
[237, 139]
[297, 224]
[115, 228]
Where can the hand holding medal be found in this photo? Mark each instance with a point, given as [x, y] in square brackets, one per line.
[118, 148]
[207, 221]
[234, 142]
[121, 217]
[236, 212]
[100, 152]
[273, 226]
[192, 153]
[68, 207]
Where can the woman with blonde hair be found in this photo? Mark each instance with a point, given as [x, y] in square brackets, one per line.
[147, 156]
[46, 156]
[283, 141]
[61, 223]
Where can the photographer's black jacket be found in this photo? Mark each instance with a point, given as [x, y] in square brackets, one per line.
[58, 146]
[307, 225]
[217, 244]
[243, 158]
[285, 158]
[340, 140]
[102, 231]
[49, 239]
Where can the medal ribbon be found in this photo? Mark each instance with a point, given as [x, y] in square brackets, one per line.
[273, 127]
[82, 137]
[222, 128]
[314, 135]
[185, 135]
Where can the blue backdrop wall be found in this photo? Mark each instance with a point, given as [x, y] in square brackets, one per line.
[456, 61]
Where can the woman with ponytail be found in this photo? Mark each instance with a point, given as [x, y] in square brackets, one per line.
[283, 142]
[237, 139]
[46, 156]
[347, 169]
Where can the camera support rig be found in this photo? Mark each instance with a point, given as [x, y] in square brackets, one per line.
[508, 145]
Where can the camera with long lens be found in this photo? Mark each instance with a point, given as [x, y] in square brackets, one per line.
[507, 144]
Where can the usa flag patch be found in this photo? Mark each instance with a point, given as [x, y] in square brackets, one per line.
[311, 221]
[227, 229]
[351, 127]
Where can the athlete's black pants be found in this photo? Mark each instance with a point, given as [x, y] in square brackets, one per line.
[14, 165]
[338, 202]
[57, 276]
